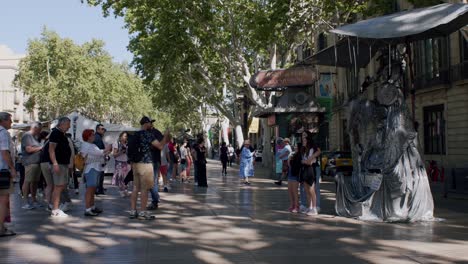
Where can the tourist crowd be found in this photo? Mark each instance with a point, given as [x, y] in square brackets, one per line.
[143, 160]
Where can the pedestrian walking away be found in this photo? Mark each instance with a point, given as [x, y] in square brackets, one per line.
[224, 157]
[231, 155]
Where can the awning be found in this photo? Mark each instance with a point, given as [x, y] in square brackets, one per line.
[288, 110]
[275, 79]
[411, 25]
[348, 51]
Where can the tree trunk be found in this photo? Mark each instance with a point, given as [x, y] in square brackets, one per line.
[206, 132]
[224, 128]
[239, 136]
[267, 156]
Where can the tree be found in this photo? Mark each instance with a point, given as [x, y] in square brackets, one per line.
[206, 51]
[60, 77]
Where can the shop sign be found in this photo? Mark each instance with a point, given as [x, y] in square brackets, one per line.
[274, 79]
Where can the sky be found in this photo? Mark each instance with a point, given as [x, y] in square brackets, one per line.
[21, 20]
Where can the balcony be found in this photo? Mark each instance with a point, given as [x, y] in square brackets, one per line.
[432, 79]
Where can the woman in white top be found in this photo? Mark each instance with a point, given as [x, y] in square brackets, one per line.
[122, 168]
[93, 167]
[309, 160]
[183, 161]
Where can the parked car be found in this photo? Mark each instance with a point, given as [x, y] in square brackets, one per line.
[337, 162]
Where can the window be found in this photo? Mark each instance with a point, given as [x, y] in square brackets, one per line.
[461, 70]
[434, 130]
[431, 62]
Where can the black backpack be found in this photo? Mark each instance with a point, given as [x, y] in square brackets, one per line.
[134, 147]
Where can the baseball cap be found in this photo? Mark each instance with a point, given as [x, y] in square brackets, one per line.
[287, 140]
[145, 120]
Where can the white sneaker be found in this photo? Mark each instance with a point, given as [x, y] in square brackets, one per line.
[28, 207]
[303, 209]
[123, 194]
[312, 211]
[58, 213]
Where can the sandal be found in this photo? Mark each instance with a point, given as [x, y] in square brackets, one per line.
[7, 233]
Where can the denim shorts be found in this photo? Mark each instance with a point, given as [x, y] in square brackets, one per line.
[293, 178]
[92, 178]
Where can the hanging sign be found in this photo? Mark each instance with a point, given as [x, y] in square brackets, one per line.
[253, 129]
[274, 79]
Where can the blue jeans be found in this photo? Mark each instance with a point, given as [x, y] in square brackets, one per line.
[170, 170]
[155, 191]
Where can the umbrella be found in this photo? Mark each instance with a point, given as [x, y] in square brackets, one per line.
[346, 53]
[411, 25]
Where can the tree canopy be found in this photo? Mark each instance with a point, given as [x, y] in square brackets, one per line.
[204, 52]
[61, 76]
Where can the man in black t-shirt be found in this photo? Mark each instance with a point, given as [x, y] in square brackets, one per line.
[143, 171]
[60, 154]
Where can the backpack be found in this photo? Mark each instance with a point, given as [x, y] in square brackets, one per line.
[133, 147]
[79, 162]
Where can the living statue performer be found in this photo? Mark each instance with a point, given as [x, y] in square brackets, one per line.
[389, 181]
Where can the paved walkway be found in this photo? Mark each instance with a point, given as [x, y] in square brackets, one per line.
[232, 223]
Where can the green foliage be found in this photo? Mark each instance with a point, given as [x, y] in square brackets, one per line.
[61, 76]
[203, 52]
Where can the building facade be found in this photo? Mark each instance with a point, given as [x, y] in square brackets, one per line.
[440, 85]
[12, 99]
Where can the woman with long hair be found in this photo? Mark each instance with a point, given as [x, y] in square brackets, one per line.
[295, 165]
[93, 167]
[310, 152]
[122, 168]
